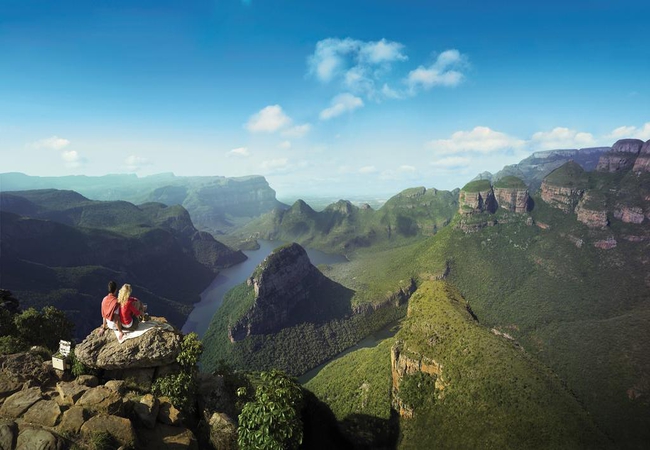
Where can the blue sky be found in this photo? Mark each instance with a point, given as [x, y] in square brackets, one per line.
[338, 97]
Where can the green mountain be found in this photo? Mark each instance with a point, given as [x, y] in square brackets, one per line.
[344, 227]
[454, 384]
[59, 248]
[216, 204]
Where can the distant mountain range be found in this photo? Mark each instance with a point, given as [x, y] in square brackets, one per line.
[216, 204]
[60, 248]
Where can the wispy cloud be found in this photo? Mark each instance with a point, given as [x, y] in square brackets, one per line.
[274, 164]
[340, 104]
[451, 162]
[239, 151]
[73, 159]
[561, 137]
[284, 145]
[445, 71]
[642, 132]
[480, 140]
[367, 169]
[268, 120]
[297, 131]
[134, 163]
[53, 143]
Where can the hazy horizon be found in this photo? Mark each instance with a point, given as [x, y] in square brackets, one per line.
[356, 98]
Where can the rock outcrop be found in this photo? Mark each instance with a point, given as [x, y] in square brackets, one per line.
[476, 197]
[642, 163]
[157, 347]
[622, 156]
[592, 212]
[511, 193]
[564, 187]
[282, 286]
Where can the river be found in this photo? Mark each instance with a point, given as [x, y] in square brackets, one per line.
[211, 298]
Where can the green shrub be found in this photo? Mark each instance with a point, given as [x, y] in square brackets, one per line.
[417, 389]
[46, 327]
[272, 421]
[12, 344]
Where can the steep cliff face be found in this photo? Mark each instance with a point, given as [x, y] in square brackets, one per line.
[592, 211]
[283, 288]
[564, 187]
[642, 163]
[622, 156]
[511, 193]
[475, 197]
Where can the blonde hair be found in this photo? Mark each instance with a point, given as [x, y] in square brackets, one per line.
[124, 294]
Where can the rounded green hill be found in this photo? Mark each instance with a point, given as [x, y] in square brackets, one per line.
[477, 186]
[510, 182]
[569, 174]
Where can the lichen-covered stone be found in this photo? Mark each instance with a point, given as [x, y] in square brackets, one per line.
[72, 420]
[16, 405]
[43, 412]
[38, 439]
[8, 433]
[70, 392]
[118, 427]
[102, 399]
[146, 410]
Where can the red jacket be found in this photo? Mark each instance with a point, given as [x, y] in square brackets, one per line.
[128, 310]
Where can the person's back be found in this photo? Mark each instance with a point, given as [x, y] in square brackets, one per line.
[130, 308]
[110, 310]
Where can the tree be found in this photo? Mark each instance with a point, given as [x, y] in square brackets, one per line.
[272, 421]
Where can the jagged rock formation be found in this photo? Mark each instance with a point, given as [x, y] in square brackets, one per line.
[591, 211]
[283, 289]
[475, 197]
[564, 187]
[157, 347]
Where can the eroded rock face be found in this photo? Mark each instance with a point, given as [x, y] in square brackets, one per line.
[512, 199]
[16, 405]
[474, 202]
[629, 214]
[156, 347]
[622, 157]
[642, 163]
[282, 282]
[118, 427]
[561, 197]
[632, 146]
[590, 215]
[20, 367]
[605, 244]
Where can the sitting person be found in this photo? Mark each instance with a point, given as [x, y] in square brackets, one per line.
[131, 309]
[111, 311]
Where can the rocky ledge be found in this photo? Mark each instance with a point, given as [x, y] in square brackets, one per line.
[476, 197]
[564, 187]
[622, 157]
[642, 163]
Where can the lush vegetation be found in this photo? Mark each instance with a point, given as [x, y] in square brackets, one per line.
[477, 186]
[510, 182]
[570, 174]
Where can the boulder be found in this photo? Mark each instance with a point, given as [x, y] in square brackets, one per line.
[43, 412]
[119, 427]
[168, 413]
[213, 396]
[18, 368]
[8, 431]
[102, 399]
[70, 392]
[138, 378]
[38, 439]
[118, 386]
[168, 437]
[223, 432]
[157, 347]
[16, 405]
[146, 410]
[73, 419]
[87, 380]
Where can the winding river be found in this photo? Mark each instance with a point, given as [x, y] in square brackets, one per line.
[211, 298]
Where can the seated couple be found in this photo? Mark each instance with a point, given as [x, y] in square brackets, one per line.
[122, 312]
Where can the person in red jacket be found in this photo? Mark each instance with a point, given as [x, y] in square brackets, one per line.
[130, 308]
[110, 311]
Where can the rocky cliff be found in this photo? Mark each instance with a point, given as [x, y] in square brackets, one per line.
[622, 156]
[564, 187]
[642, 163]
[284, 288]
[476, 197]
[511, 193]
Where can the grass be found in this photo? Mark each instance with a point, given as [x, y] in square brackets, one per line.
[477, 186]
[510, 182]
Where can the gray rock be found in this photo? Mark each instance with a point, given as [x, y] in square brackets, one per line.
[73, 419]
[16, 405]
[154, 348]
[38, 439]
[118, 386]
[223, 432]
[87, 380]
[146, 410]
[118, 427]
[43, 412]
[102, 399]
[70, 392]
[628, 146]
[168, 437]
[8, 435]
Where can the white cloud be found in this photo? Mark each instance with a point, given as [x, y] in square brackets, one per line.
[642, 133]
[381, 52]
[268, 120]
[388, 92]
[134, 163]
[274, 164]
[406, 168]
[561, 137]
[329, 57]
[443, 72]
[480, 139]
[340, 104]
[54, 143]
[297, 131]
[239, 151]
[451, 162]
[285, 145]
[367, 169]
[72, 159]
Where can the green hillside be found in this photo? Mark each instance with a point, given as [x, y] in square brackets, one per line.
[491, 393]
